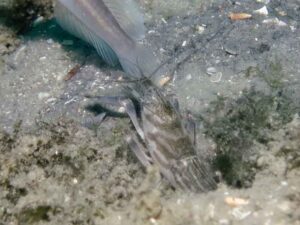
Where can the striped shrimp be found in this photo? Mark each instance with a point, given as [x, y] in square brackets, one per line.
[161, 137]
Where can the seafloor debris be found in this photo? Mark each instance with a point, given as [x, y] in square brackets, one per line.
[235, 201]
[239, 16]
[72, 72]
[262, 11]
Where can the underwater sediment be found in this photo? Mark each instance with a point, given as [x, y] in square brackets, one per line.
[242, 87]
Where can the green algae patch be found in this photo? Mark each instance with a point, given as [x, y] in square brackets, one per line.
[63, 165]
[239, 125]
[244, 121]
[8, 42]
[34, 215]
[21, 13]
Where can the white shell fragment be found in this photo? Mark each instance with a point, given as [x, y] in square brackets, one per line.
[211, 70]
[200, 29]
[215, 75]
[263, 1]
[240, 214]
[262, 11]
[275, 21]
[216, 78]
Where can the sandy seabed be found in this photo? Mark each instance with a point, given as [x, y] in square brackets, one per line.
[241, 85]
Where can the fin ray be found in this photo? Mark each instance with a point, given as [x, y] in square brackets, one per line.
[129, 17]
[142, 64]
[74, 26]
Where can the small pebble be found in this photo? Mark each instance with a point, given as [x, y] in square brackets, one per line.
[200, 29]
[284, 206]
[223, 221]
[188, 77]
[50, 41]
[43, 95]
[263, 1]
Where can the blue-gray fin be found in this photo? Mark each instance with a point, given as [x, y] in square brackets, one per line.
[129, 17]
[107, 104]
[93, 122]
[124, 102]
[139, 150]
[73, 25]
[130, 109]
[143, 65]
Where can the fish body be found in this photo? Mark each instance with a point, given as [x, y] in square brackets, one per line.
[113, 27]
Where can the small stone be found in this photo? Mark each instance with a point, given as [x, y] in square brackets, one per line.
[261, 162]
[282, 13]
[43, 95]
[200, 29]
[121, 109]
[189, 77]
[50, 41]
[263, 1]
[284, 206]
[223, 221]
[284, 183]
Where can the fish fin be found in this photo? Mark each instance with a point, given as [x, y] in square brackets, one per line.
[141, 64]
[139, 150]
[74, 26]
[130, 68]
[129, 17]
[130, 109]
[191, 127]
[94, 122]
[193, 175]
